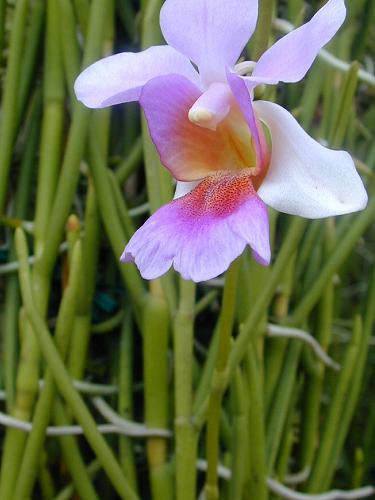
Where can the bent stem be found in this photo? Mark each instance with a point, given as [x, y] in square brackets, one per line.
[219, 380]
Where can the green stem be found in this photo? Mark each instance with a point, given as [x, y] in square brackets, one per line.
[10, 96]
[53, 117]
[336, 259]
[186, 438]
[69, 44]
[69, 175]
[263, 30]
[156, 323]
[112, 222]
[239, 435]
[241, 343]
[131, 162]
[256, 484]
[29, 58]
[125, 398]
[82, 323]
[29, 464]
[12, 297]
[219, 376]
[279, 409]
[333, 419]
[63, 381]
[72, 456]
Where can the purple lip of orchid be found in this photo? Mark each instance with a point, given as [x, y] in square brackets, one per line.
[207, 130]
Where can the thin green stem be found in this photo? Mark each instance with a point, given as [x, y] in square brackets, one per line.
[131, 162]
[10, 96]
[333, 419]
[33, 42]
[63, 381]
[156, 324]
[256, 480]
[263, 30]
[125, 398]
[186, 438]
[28, 469]
[219, 376]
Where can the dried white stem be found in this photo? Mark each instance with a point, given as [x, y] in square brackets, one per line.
[298, 477]
[63, 430]
[90, 388]
[140, 210]
[12, 267]
[244, 67]
[282, 331]
[285, 492]
[130, 428]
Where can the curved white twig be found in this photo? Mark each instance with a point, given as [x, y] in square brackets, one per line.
[287, 332]
[63, 430]
[90, 388]
[289, 494]
[130, 428]
[298, 477]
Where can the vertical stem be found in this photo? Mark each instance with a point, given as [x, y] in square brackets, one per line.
[34, 39]
[28, 469]
[53, 116]
[262, 34]
[63, 381]
[10, 96]
[332, 423]
[256, 484]
[12, 296]
[156, 324]
[186, 439]
[239, 436]
[218, 388]
[125, 399]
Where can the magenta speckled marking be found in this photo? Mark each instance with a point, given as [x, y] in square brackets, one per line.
[219, 195]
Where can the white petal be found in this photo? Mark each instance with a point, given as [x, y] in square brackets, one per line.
[305, 178]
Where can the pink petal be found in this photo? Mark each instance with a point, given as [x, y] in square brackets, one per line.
[201, 233]
[243, 98]
[120, 78]
[304, 178]
[190, 151]
[211, 33]
[290, 58]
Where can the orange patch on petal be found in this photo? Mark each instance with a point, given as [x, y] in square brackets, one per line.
[220, 194]
[203, 151]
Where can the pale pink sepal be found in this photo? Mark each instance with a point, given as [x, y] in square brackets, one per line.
[290, 58]
[305, 178]
[120, 78]
[212, 33]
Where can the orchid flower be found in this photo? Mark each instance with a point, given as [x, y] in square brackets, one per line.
[231, 155]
